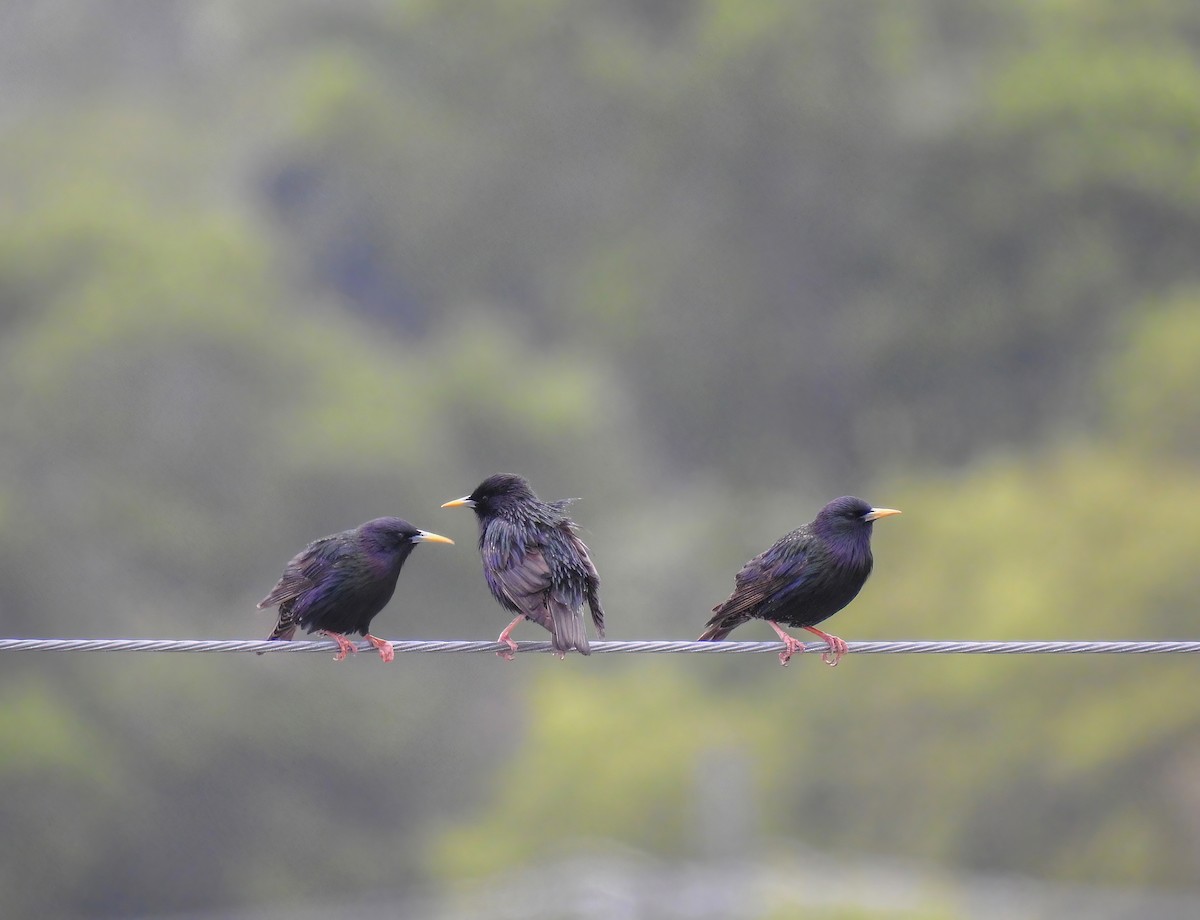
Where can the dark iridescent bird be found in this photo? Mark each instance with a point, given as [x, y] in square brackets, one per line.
[806, 577]
[337, 584]
[534, 563]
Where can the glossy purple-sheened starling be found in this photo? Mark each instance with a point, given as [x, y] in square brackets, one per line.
[534, 563]
[337, 584]
[806, 577]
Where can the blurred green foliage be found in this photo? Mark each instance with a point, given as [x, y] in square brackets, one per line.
[1154, 381]
[267, 273]
[606, 758]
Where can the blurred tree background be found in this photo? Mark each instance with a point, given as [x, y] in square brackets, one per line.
[268, 270]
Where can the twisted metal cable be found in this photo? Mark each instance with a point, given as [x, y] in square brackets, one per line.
[1084, 647]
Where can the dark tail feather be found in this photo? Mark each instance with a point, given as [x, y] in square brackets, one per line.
[570, 631]
[721, 626]
[283, 631]
[593, 600]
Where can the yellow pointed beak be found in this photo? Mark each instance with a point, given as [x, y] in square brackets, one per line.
[426, 537]
[464, 502]
[876, 513]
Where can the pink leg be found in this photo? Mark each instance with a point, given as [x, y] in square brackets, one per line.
[344, 644]
[504, 637]
[385, 647]
[837, 647]
[792, 645]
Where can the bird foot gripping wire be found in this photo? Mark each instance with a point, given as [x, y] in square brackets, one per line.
[386, 652]
[344, 645]
[791, 645]
[833, 656]
[507, 639]
[790, 649]
[837, 647]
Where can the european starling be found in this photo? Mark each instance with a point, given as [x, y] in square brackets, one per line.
[337, 584]
[534, 562]
[806, 577]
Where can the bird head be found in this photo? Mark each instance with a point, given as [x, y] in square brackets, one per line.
[495, 494]
[394, 536]
[849, 515]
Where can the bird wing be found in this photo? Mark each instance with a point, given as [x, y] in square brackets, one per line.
[524, 582]
[770, 577]
[304, 570]
[591, 582]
